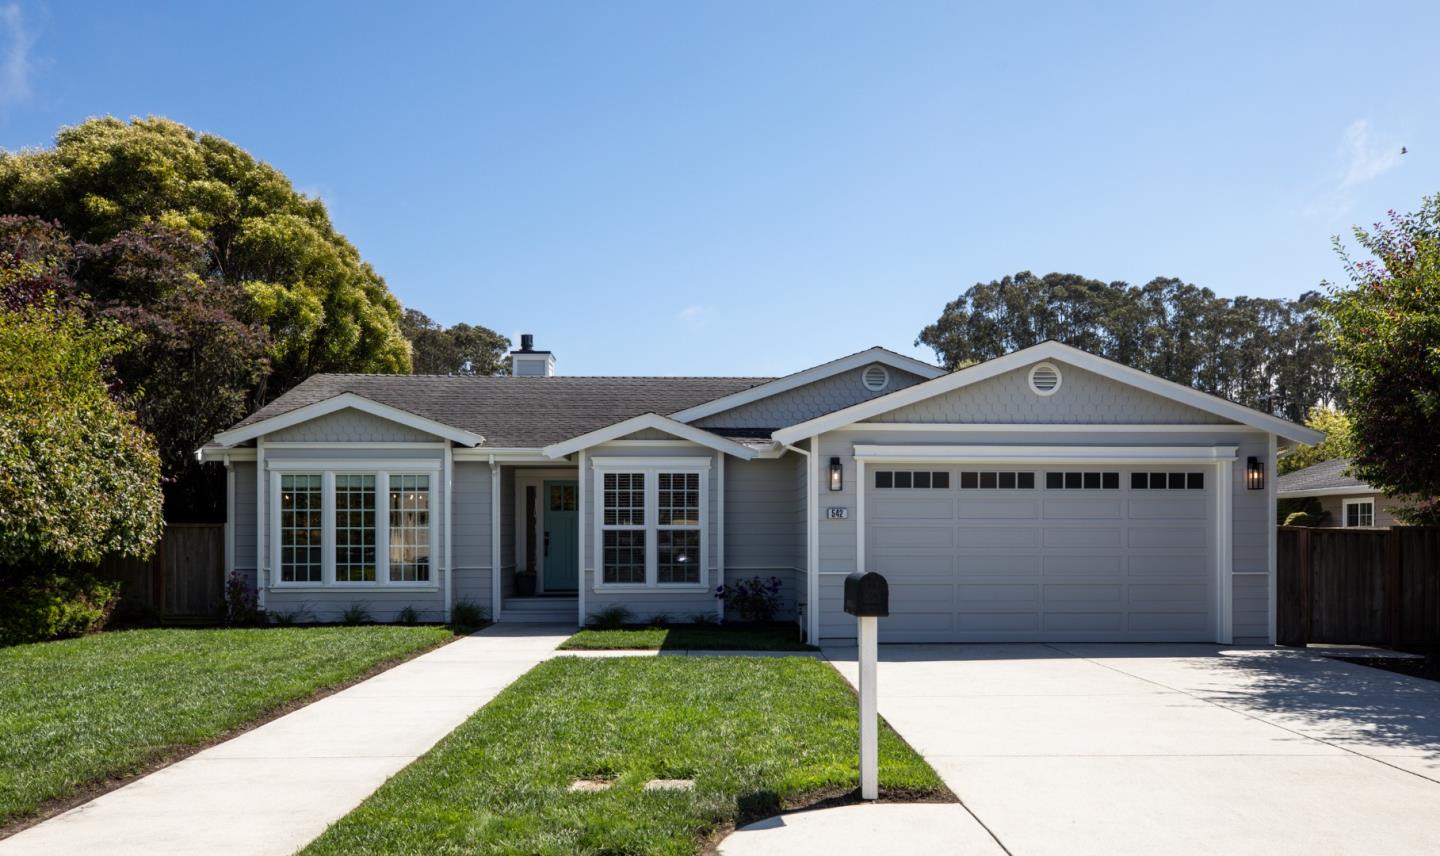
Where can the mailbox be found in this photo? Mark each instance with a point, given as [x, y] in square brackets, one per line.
[867, 595]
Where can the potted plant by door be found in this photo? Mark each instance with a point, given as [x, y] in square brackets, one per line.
[525, 583]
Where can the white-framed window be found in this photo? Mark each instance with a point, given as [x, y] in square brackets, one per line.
[651, 522]
[351, 525]
[1358, 512]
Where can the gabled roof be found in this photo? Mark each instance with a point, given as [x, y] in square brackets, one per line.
[1064, 353]
[249, 430]
[1326, 477]
[507, 412]
[876, 354]
[648, 421]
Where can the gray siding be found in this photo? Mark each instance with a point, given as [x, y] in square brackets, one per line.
[471, 509]
[1384, 508]
[807, 402]
[245, 518]
[507, 527]
[1083, 398]
[350, 426]
[1250, 540]
[760, 524]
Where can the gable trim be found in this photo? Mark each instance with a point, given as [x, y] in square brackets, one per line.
[346, 401]
[808, 376]
[1066, 354]
[1349, 490]
[655, 421]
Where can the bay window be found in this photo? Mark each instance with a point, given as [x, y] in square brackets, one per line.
[342, 527]
[650, 521]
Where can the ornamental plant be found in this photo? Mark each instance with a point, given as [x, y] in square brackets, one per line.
[755, 599]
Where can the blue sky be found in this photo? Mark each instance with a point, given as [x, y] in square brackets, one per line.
[755, 187]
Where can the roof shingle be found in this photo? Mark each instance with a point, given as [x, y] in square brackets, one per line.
[1321, 476]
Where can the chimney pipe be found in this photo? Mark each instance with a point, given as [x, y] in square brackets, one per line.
[527, 342]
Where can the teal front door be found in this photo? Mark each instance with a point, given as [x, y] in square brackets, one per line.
[562, 520]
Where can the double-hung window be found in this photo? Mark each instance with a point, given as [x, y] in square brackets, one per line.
[1359, 512]
[650, 522]
[352, 528]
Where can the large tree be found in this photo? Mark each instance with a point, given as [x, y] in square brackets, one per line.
[325, 309]
[463, 349]
[1263, 353]
[1386, 329]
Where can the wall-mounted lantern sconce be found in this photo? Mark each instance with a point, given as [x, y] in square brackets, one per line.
[1254, 473]
[837, 475]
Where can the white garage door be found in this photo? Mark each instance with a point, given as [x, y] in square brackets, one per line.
[1062, 553]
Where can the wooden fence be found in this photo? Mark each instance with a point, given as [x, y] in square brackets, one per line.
[1359, 586]
[184, 582]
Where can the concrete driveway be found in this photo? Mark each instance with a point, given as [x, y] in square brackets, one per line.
[1171, 748]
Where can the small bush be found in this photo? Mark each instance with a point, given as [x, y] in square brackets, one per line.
[610, 618]
[408, 615]
[300, 615]
[356, 613]
[241, 609]
[755, 599]
[468, 614]
[660, 619]
[37, 607]
[1302, 518]
[704, 618]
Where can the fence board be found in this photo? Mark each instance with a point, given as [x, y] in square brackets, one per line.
[185, 579]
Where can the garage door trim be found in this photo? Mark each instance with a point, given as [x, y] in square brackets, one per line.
[1222, 457]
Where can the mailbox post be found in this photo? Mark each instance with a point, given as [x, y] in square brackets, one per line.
[867, 597]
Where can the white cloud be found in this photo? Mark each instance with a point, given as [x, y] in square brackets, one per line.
[693, 314]
[1366, 155]
[15, 44]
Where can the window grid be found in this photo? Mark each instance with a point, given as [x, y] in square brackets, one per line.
[1167, 481]
[652, 527]
[974, 480]
[624, 499]
[677, 539]
[677, 556]
[1082, 481]
[624, 540]
[355, 546]
[409, 528]
[624, 558]
[916, 479]
[1360, 513]
[301, 531]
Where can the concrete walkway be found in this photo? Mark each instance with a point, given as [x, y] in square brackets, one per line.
[274, 789]
[1116, 749]
[872, 829]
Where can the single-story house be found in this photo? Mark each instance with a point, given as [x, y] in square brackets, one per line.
[1048, 494]
[1344, 500]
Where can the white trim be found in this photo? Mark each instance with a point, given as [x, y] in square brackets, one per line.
[1049, 427]
[812, 536]
[1272, 455]
[884, 378]
[229, 520]
[1046, 454]
[342, 444]
[651, 468]
[449, 480]
[643, 422]
[1345, 512]
[582, 570]
[506, 455]
[720, 533]
[343, 401]
[650, 443]
[860, 515]
[496, 598]
[536, 477]
[1352, 490]
[1063, 353]
[1059, 379]
[1224, 551]
[211, 454]
[262, 532]
[810, 375]
[426, 465]
[496, 566]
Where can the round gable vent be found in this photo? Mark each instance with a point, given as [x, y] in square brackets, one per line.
[1044, 379]
[875, 378]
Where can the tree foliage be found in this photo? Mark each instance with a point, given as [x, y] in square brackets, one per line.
[1335, 425]
[1264, 353]
[323, 307]
[79, 479]
[1386, 329]
[459, 350]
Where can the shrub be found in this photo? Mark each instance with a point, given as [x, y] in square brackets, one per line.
[610, 618]
[240, 608]
[704, 618]
[408, 615]
[660, 619]
[289, 619]
[356, 613]
[40, 606]
[1302, 518]
[468, 614]
[755, 599]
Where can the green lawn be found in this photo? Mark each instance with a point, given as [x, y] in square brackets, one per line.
[77, 712]
[755, 735]
[693, 638]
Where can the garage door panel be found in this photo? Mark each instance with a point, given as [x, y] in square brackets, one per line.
[916, 508]
[1169, 506]
[1085, 621]
[1190, 622]
[1083, 596]
[989, 595]
[1167, 595]
[922, 598]
[926, 622]
[1082, 536]
[911, 537]
[997, 508]
[996, 536]
[912, 567]
[1013, 622]
[1008, 566]
[1170, 565]
[1082, 505]
[1062, 564]
[1169, 537]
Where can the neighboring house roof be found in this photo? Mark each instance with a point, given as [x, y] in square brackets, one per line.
[510, 411]
[1326, 477]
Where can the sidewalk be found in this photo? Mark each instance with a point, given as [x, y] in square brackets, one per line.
[274, 789]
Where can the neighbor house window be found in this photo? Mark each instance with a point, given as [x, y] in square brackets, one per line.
[301, 532]
[355, 529]
[651, 525]
[1359, 512]
[409, 528]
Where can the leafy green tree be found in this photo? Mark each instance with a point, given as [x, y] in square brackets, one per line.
[1263, 353]
[323, 307]
[463, 349]
[79, 479]
[1386, 329]
[1335, 425]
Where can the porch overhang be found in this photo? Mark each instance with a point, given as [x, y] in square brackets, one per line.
[649, 421]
